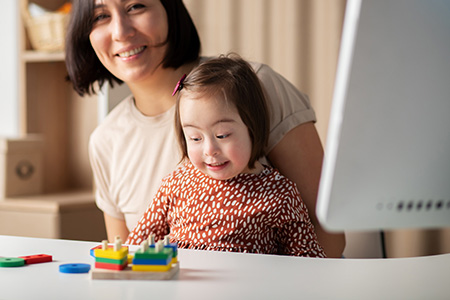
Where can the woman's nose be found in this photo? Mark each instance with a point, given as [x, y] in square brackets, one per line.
[122, 27]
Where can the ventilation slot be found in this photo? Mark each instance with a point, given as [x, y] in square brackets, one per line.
[416, 205]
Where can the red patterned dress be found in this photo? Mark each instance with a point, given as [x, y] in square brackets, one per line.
[254, 213]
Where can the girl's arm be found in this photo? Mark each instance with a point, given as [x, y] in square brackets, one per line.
[298, 156]
[299, 239]
[296, 234]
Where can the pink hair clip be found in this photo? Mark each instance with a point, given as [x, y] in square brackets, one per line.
[179, 85]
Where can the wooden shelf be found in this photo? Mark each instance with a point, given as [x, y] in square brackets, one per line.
[40, 56]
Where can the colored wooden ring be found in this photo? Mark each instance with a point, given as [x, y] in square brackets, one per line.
[11, 262]
[74, 268]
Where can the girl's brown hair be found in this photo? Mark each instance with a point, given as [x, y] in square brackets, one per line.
[235, 79]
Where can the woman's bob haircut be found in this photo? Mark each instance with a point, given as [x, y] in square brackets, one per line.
[83, 66]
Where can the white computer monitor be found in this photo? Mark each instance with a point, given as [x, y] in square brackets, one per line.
[387, 154]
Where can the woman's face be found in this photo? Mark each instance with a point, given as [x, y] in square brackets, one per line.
[130, 37]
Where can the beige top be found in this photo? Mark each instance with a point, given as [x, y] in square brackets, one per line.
[131, 153]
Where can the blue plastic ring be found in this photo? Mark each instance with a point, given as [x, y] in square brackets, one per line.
[75, 268]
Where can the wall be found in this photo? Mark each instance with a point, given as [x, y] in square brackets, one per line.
[297, 38]
[9, 115]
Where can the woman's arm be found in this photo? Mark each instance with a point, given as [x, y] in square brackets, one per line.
[115, 227]
[299, 157]
[154, 220]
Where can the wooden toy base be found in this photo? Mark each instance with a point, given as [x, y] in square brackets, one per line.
[128, 274]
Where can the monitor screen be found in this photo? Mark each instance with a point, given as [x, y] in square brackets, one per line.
[387, 154]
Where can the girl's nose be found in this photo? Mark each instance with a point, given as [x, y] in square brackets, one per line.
[122, 27]
[211, 148]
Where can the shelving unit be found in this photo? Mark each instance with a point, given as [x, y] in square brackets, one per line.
[49, 107]
[30, 56]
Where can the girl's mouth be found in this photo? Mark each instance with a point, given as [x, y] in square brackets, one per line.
[217, 165]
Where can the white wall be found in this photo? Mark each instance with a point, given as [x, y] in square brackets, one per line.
[9, 53]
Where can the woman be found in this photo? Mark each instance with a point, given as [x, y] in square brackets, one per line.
[222, 126]
[150, 44]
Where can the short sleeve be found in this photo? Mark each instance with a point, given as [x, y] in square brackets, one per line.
[288, 107]
[98, 157]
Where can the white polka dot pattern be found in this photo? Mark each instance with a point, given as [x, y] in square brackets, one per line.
[249, 213]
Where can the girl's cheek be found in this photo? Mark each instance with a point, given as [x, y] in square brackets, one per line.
[192, 152]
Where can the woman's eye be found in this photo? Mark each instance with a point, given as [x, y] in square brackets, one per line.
[100, 17]
[135, 7]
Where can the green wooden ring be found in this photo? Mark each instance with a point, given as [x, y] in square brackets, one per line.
[11, 262]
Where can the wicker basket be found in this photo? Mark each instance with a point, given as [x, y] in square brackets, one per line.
[46, 32]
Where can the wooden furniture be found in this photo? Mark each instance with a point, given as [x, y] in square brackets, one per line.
[50, 108]
[20, 166]
[68, 215]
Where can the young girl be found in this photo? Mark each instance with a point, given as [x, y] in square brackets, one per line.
[222, 198]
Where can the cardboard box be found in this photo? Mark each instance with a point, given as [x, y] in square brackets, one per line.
[67, 215]
[21, 166]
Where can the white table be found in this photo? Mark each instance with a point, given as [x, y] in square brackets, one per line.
[218, 275]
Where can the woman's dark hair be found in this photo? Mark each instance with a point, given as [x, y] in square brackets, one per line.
[83, 66]
[232, 79]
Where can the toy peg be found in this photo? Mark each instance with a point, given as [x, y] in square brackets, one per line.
[151, 239]
[144, 246]
[104, 244]
[159, 246]
[166, 240]
[117, 244]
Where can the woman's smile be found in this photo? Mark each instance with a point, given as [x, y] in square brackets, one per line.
[130, 40]
[127, 54]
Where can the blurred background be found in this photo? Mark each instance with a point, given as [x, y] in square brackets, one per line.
[45, 178]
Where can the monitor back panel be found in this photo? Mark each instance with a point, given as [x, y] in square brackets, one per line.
[387, 158]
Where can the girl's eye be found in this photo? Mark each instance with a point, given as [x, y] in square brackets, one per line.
[195, 139]
[222, 136]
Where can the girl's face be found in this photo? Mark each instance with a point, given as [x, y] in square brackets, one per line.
[129, 37]
[218, 142]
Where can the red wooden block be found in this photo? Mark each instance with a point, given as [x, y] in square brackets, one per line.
[36, 259]
[100, 265]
